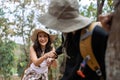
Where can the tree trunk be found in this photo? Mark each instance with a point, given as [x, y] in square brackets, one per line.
[113, 47]
[100, 4]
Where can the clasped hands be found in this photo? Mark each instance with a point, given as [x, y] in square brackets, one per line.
[50, 57]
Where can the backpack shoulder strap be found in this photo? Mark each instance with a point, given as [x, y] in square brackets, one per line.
[86, 49]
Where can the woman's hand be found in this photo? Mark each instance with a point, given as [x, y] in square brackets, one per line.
[50, 61]
[50, 54]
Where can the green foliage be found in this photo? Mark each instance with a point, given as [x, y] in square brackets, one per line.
[2, 19]
[7, 58]
[1, 12]
[110, 2]
[22, 63]
[58, 41]
[109, 7]
[89, 11]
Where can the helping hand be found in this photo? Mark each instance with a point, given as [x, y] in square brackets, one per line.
[50, 61]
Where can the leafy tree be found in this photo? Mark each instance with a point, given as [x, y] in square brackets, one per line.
[7, 58]
[6, 48]
[89, 11]
[21, 65]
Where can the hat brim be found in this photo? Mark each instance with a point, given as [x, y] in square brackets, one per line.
[34, 35]
[67, 25]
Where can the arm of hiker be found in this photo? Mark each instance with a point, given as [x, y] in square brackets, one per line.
[34, 58]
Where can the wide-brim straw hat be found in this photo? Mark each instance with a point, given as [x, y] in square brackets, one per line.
[36, 31]
[64, 16]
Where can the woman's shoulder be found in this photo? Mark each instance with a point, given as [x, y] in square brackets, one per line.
[31, 47]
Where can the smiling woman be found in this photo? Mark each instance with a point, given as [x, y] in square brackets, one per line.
[42, 54]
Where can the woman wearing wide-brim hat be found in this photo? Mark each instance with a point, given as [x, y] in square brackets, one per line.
[41, 55]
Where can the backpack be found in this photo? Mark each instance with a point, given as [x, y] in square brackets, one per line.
[87, 52]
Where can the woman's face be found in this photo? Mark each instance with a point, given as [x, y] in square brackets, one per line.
[43, 39]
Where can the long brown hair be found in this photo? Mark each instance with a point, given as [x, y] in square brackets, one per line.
[38, 49]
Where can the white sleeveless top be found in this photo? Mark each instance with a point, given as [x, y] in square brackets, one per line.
[42, 69]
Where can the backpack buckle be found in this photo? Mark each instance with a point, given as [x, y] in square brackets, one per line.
[99, 72]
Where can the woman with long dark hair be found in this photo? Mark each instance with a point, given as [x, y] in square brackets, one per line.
[41, 55]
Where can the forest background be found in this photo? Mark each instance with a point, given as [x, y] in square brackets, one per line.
[18, 18]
